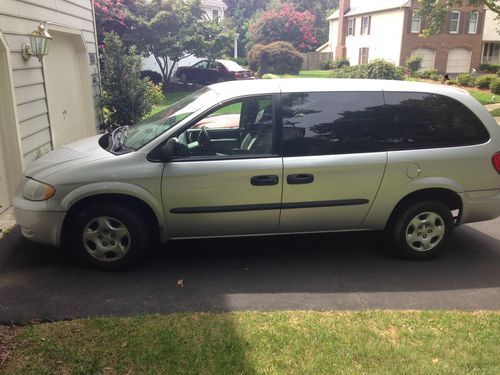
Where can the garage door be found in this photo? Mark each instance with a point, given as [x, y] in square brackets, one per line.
[427, 55]
[64, 91]
[458, 60]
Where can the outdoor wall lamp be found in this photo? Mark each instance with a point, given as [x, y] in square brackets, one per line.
[39, 43]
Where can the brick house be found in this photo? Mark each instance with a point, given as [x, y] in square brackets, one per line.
[49, 102]
[390, 29]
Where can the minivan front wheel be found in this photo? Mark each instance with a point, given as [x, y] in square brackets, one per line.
[422, 230]
[109, 237]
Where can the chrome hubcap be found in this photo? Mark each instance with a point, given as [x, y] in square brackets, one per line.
[425, 231]
[106, 239]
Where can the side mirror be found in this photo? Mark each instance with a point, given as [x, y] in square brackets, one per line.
[169, 150]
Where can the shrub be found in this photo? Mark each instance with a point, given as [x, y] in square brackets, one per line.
[327, 65]
[484, 82]
[125, 95]
[451, 82]
[465, 79]
[383, 69]
[495, 86]
[335, 64]
[428, 73]
[254, 57]
[413, 64]
[270, 76]
[436, 77]
[340, 63]
[280, 58]
[155, 77]
[356, 71]
[155, 93]
[489, 68]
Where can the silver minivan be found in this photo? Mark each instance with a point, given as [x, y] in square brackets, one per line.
[272, 157]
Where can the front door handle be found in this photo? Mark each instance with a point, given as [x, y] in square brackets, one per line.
[265, 180]
[302, 178]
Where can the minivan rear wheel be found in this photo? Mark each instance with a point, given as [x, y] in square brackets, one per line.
[109, 237]
[421, 230]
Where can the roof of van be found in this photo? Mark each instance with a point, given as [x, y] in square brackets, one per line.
[269, 86]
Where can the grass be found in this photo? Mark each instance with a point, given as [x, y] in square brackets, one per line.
[170, 98]
[495, 112]
[484, 97]
[378, 342]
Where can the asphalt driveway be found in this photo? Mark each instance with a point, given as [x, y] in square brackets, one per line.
[320, 272]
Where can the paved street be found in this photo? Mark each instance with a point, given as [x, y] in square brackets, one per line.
[341, 271]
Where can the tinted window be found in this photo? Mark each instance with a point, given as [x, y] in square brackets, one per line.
[332, 123]
[419, 120]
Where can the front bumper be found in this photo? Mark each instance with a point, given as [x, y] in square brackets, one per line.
[37, 224]
[480, 206]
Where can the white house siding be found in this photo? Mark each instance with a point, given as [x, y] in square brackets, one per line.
[491, 39]
[491, 29]
[384, 40]
[18, 18]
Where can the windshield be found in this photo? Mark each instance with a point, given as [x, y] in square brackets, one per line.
[232, 66]
[149, 129]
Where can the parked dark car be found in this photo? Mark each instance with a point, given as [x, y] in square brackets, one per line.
[211, 71]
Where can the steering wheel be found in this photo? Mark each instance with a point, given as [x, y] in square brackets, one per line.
[204, 138]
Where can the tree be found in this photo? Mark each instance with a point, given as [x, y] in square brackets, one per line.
[175, 29]
[125, 96]
[239, 12]
[435, 11]
[109, 16]
[284, 24]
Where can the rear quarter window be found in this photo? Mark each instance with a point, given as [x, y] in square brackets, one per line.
[423, 120]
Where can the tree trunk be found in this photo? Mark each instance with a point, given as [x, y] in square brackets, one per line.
[163, 64]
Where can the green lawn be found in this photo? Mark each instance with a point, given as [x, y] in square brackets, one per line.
[376, 342]
[495, 112]
[484, 97]
[170, 98]
[314, 74]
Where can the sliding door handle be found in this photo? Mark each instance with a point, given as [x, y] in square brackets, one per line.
[302, 178]
[265, 180]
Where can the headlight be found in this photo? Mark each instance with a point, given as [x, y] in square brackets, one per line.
[37, 191]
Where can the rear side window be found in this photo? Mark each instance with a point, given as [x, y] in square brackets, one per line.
[326, 123]
[422, 120]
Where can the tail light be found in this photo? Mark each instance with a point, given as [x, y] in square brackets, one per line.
[495, 159]
[242, 75]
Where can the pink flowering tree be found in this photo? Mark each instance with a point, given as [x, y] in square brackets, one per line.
[285, 24]
[109, 16]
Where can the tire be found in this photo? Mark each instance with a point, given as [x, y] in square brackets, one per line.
[109, 237]
[421, 230]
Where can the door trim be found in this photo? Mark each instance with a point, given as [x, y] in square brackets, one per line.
[9, 124]
[269, 206]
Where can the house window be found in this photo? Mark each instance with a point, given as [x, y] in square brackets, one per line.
[351, 23]
[473, 22]
[455, 22]
[215, 14]
[416, 21]
[365, 25]
[363, 56]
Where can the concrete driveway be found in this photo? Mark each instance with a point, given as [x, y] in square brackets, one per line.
[320, 272]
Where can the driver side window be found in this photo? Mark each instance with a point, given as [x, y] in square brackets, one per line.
[241, 127]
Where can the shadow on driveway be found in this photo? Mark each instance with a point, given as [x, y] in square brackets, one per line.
[320, 272]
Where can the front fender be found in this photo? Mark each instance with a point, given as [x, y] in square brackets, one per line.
[121, 188]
